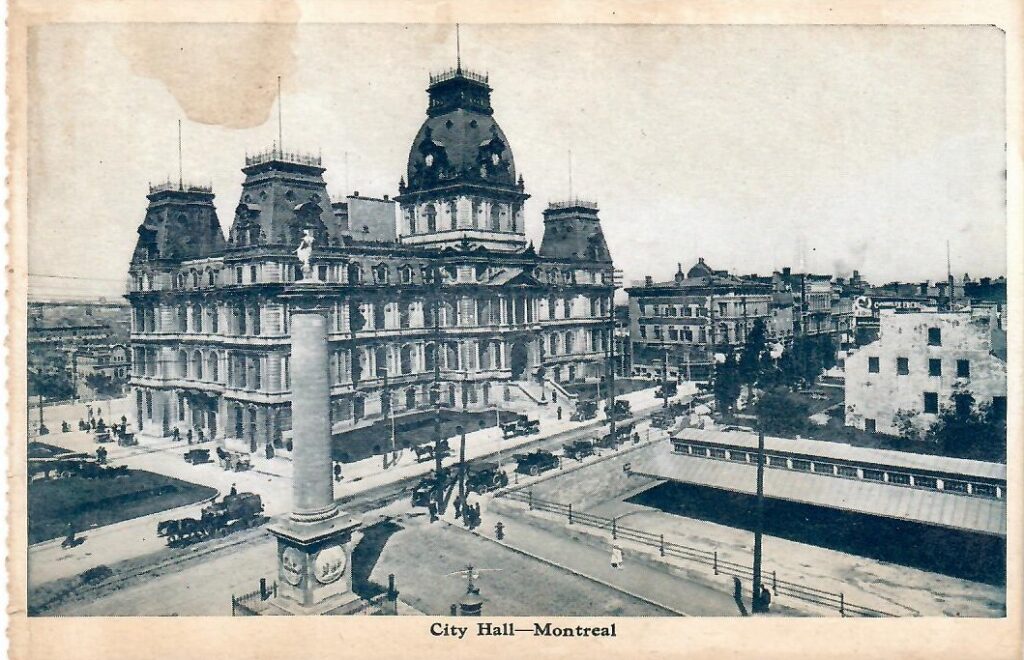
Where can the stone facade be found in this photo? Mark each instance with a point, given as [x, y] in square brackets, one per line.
[691, 318]
[917, 362]
[454, 309]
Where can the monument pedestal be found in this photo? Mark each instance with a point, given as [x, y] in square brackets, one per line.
[315, 567]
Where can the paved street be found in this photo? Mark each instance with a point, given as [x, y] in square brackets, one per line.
[268, 478]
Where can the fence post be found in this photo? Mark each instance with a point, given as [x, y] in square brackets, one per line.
[570, 513]
[716, 562]
[531, 499]
[661, 547]
[775, 584]
[842, 608]
[263, 589]
[613, 530]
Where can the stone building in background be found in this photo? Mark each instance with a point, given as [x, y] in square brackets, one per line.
[689, 319]
[446, 303]
[917, 362]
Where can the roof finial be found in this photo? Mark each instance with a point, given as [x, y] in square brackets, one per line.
[458, 50]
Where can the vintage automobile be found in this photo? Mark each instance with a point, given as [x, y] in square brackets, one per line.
[535, 462]
[198, 456]
[662, 420]
[103, 436]
[520, 427]
[236, 511]
[622, 433]
[619, 410]
[127, 439]
[579, 449]
[584, 410]
[233, 461]
[427, 485]
[485, 477]
[666, 390]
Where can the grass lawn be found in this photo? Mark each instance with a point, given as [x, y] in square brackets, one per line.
[97, 502]
[622, 386]
[414, 429]
[43, 450]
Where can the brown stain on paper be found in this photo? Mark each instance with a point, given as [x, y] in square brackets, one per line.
[223, 74]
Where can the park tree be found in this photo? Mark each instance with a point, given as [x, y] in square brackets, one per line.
[751, 364]
[968, 430]
[781, 412]
[908, 430]
[55, 385]
[727, 383]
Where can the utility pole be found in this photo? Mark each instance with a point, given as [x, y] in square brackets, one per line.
[664, 379]
[435, 277]
[462, 467]
[616, 280]
[759, 523]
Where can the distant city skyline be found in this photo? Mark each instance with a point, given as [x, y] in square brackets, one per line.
[825, 149]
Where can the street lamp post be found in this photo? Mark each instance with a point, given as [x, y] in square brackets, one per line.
[759, 526]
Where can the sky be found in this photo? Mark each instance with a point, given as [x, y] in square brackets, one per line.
[754, 147]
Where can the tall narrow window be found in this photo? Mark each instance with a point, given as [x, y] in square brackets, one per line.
[931, 402]
[934, 367]
[935, 336]
[963, 368]
[431, 213]
[902, 366]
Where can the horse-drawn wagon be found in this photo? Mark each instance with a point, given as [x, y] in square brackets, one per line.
[233, 512]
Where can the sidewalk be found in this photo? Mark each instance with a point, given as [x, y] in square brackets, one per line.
[683, 596]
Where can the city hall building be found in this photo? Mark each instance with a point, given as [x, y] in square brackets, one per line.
[433, 295]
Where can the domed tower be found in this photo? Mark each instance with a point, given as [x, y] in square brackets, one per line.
[462, 183]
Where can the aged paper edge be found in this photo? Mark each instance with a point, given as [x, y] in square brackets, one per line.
[137, 637]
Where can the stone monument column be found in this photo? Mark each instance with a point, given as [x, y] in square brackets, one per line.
[314, 540]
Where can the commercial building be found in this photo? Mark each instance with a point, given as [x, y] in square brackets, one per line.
[434, 295]
[918, 361]
[689, 319]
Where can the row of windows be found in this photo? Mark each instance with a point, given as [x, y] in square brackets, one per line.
[963, 367]
[848, 471]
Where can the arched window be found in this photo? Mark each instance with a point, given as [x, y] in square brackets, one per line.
[182, 365]
[410, 398]
[197, 317]
[569, 342]
[197, 366]
[555, 344]
[355, 274]
[495, 218]
[380, 355]
[212, 367]
[405, 274]
[210, 277]
[183, 319]
[451, 356]
[406, 359]
[429, 355]
[431, 213]
[380, 274]
[412, 221]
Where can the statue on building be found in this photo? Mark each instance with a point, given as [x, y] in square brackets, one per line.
[304, 253]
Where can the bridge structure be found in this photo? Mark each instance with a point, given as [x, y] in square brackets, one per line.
[939, 491]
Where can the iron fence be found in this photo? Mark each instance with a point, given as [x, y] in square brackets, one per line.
[710, 558]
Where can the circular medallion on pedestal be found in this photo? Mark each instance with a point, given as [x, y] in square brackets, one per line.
[329, 564]
[291, 566]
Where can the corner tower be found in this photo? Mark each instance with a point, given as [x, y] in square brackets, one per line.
[462, 184]
[572, 231]
[181, 223]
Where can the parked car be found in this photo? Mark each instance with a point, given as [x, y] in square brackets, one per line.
[579, 449]
[666, 389]
[584, 410]
[198, 456]
[535, 462]
[485, 477]
[520, 427]
[619, 410]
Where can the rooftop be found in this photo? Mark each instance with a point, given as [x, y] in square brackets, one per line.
[572, 203]
[459, 72]
[277, 155]
[180, 186]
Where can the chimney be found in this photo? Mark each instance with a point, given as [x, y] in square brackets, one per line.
[648, 280]
[385, 198]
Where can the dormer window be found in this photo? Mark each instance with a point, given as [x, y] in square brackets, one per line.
[405, 273]
[355, 274]
[380, 274]
[429, 160]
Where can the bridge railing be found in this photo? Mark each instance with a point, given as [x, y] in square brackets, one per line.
[709, 558]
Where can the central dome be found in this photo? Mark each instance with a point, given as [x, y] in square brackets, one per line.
[460, 141]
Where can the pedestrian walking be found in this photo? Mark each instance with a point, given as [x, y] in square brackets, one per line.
[559, 411]
[89, 409]
[189, 436]
[554, 395]
[616, 557]
[458, 506]
[233, 491]
[337, 471]
[766, 599]
[432, 508]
